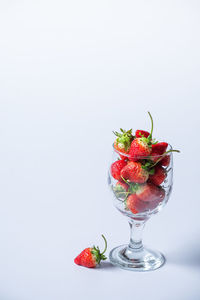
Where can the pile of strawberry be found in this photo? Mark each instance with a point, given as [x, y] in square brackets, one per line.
[141, 169]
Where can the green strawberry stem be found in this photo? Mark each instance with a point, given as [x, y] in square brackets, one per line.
[172, 151]
[163, 156]
[97, 254]
[126, 181]
[105, 248]
[150, 136]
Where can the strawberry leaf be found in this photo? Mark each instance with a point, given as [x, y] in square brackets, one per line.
[154, 142]
[124, 138]
[97, 254]
[147, 165]
[133, 188]
[120, 192]
[152, 171]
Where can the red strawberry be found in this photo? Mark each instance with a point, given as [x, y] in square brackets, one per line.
[123, 141]
[140, 133]
[122, 185]
[155, 156]
[139, 149]
[149, 192]
[90, 257]
[159, 175]
[159, 148]
[153, 204]
[133, 172]
[134, 204]
[121, 189]
[121, 149]
[116, 168]
[165, 161]
[141, 146]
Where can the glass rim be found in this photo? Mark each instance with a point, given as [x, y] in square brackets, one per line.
[169, 147]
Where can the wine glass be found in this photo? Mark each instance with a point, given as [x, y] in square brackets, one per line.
[139, 201]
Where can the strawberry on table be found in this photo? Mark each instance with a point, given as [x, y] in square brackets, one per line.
[133, 172]
[123, 141]
[159, 175]
[91, 257]
[116, 168]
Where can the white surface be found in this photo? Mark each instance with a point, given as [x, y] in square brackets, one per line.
[70, 73]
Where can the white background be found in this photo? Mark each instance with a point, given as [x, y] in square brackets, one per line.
[70, 73]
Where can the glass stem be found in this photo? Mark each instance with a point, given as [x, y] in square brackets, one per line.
[136, 227]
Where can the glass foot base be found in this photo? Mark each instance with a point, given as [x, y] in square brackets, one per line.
[136, 260]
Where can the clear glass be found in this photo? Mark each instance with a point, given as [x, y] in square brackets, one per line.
[135, 256]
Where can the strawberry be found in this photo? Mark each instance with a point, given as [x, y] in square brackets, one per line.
[139, 149]
[122, 185]
[133, 172]
[123, 141]
[116, 168]
[134, 204]
[148, 192]
[159, 148]
[141, 146]
[90, 257]
[159, 175]
[121, 189]
[155, 156]
[141, 133]
[165, 161]
[153, 204]
[121, 150]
